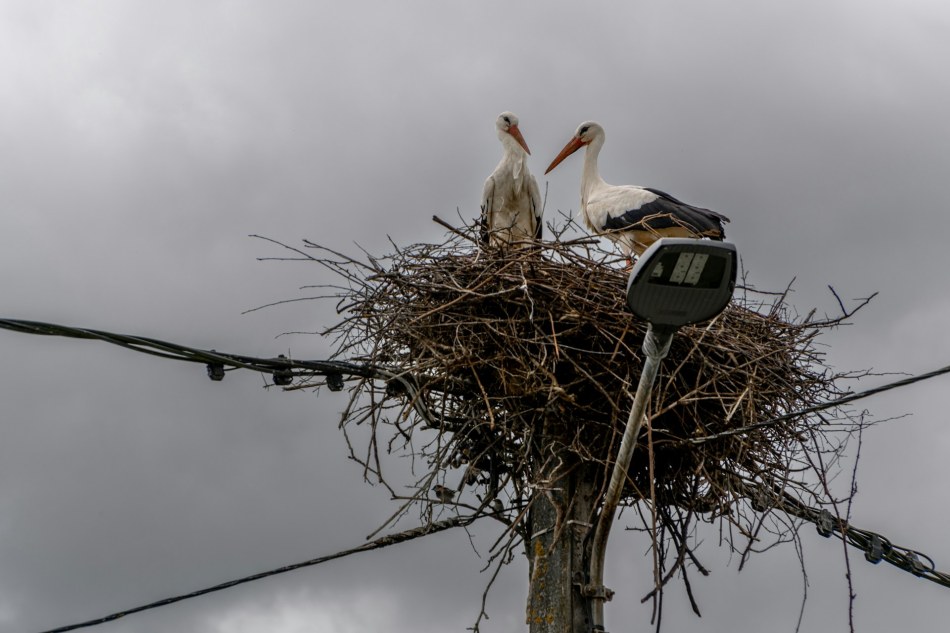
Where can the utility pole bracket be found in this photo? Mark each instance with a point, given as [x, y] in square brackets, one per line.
[597, 592]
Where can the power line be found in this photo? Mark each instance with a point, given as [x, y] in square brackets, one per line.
[820, 407]
[279, 366]
[875, 547]
[284, 370]
[392, 539]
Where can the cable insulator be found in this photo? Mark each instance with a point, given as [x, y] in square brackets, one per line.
[216, 371]
[916, 566]
[825, 524]
[875, 551]
[283, 377]
[335, 381]
[395, 388]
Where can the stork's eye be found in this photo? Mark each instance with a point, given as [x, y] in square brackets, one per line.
[507, 120]
[584, 130]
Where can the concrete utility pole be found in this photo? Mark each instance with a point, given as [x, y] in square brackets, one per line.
[559, 523]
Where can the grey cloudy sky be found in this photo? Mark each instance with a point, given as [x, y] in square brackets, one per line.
[141, 143]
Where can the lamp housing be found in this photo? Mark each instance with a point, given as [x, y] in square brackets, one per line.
[679, 281]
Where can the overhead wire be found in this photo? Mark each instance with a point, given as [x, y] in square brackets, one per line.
[179, 352]
[392, 539]
[846, 399]
[185, 353]
[875, 546]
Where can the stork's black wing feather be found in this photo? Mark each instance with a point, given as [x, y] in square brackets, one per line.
[488, 199]
[483, 231]
[667, 212]
[538, 223]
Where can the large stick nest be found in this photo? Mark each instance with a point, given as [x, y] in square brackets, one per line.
[504, 361]
[502, 344]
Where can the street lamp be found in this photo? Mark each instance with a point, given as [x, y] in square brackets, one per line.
[677, 281]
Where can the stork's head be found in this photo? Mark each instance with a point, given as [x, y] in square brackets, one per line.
[587, 133]
[507, 124]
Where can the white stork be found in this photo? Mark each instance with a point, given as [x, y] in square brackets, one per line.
[511, 200]
[633, 217]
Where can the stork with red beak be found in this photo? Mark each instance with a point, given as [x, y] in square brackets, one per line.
[633, 217]
[511, 200]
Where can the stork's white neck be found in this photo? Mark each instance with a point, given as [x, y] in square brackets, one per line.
[590, 178]
[514, 157]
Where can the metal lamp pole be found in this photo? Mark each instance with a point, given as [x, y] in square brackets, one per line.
[675, 282]
[656, 345]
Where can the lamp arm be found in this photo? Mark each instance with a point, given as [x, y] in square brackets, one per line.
[656, 345]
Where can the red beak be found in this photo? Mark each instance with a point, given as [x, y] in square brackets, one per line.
[572, 146]
[515, 132]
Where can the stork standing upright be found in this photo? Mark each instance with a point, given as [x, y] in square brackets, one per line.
[511, 200]
[633, 217]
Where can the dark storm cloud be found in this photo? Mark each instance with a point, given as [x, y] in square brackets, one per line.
[141, 143]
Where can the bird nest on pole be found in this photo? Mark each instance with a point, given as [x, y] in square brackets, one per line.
[502, 362]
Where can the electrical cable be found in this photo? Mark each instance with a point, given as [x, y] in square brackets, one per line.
[392, 539]
[176, 351]
[875, 546]
[851, 397]
[334, 369]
